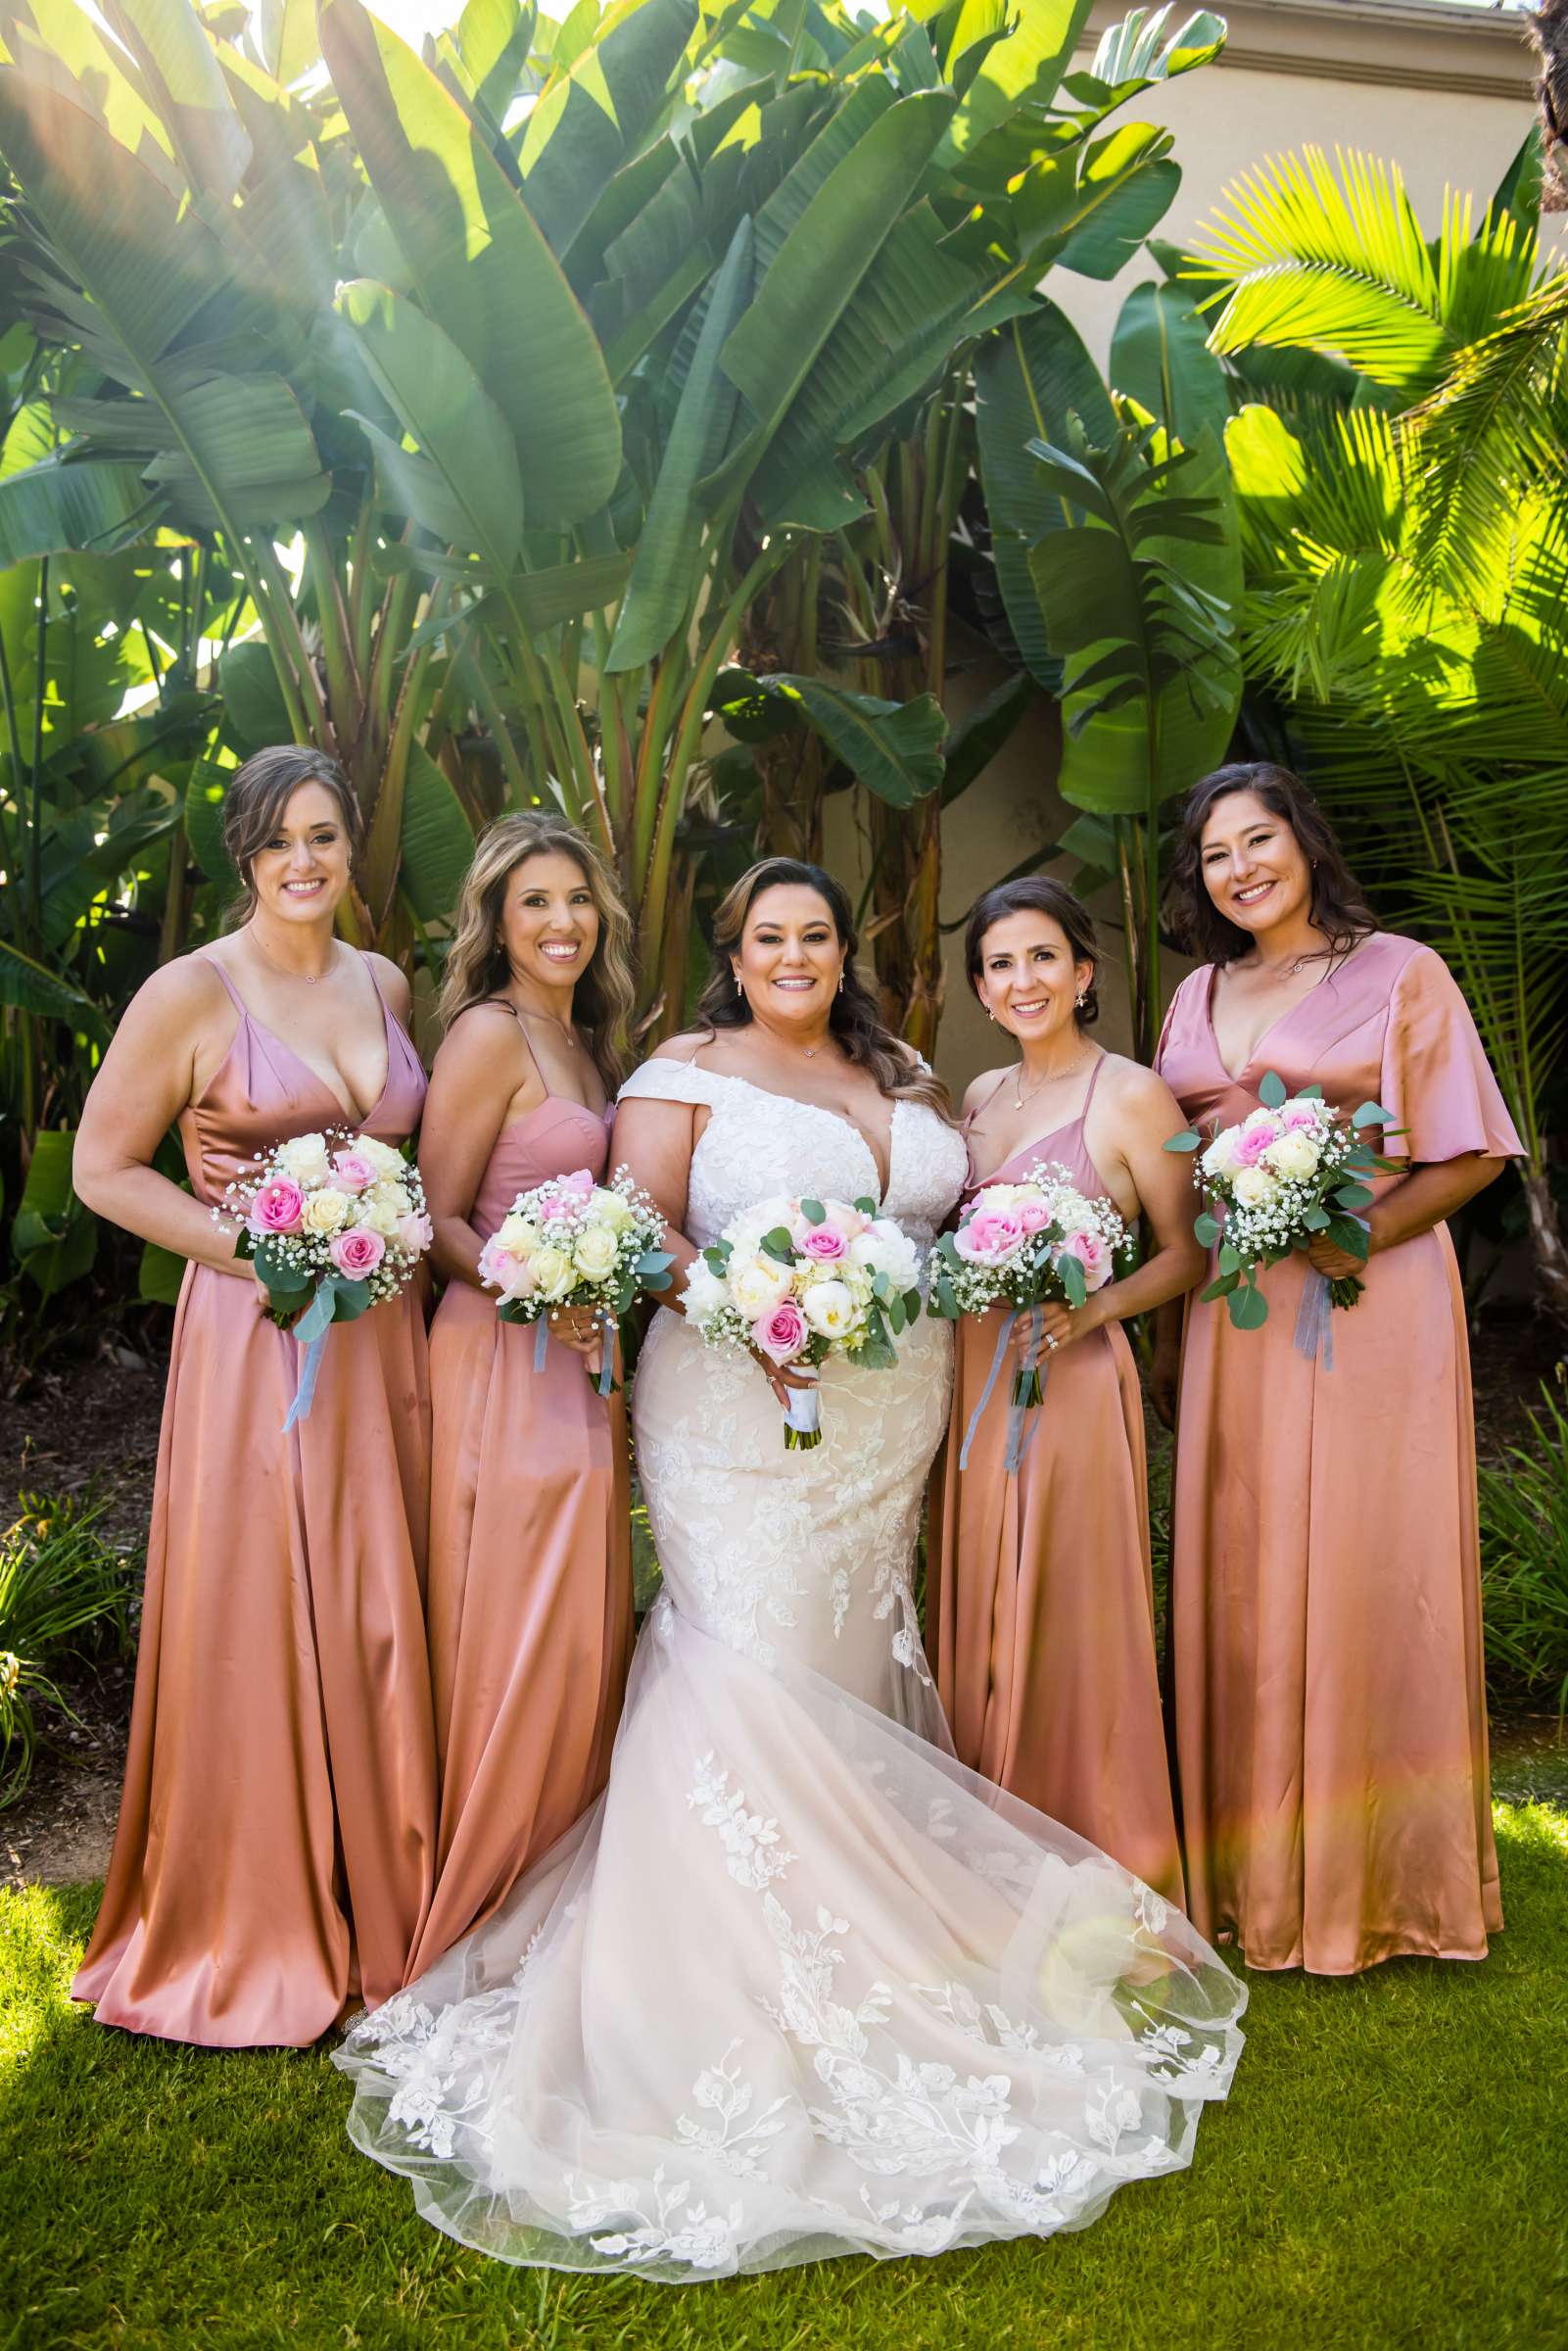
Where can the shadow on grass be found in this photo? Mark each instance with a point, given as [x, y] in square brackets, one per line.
[1388, 2171]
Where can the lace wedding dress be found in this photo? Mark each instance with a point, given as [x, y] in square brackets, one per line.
[799, 1984]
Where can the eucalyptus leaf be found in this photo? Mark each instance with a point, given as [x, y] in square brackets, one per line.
[1249, 1308]
[1273, 1089]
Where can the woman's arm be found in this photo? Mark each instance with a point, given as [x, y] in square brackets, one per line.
[481, 1066]
[1412, 1205]
[1146, 1115]
[145, 1080]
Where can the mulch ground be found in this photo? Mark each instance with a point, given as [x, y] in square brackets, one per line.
[88, 1423]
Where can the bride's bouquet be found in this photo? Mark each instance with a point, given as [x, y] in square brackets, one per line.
[1288, 1172]
[573, 1242]
[1023, 1245]
[333, 1222]
[803, 1280]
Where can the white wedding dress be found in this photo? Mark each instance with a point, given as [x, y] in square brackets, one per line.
[799, 1984]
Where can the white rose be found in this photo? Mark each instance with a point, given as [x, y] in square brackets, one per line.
[377, 1214]
[885, 1250]
[553, 1272]
[597, 1252]
[327, 1211]
[519, 1234]
[1255, 1187]
[1220, 1156]
[830, 1309]
[1295, 1154]
[705, 1293]
[305, 1157]
[757, 1285]
[611, 1208]
[386, 1162]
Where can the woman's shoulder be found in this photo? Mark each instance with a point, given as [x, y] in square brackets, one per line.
[187, 988]
[980, 1090]
[483, 1035]
[673, 1072]
[390, 979]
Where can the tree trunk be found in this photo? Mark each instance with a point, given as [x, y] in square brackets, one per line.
[1546, 1244]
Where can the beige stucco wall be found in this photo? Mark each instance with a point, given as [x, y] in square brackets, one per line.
[1444, 94]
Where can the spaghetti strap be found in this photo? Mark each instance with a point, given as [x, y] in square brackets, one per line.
[981, 1108]
[234, 996]
[504, 1004]
[1093, 1082]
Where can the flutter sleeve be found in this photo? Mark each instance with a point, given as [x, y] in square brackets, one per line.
[1187, 992]
[1437, 1079]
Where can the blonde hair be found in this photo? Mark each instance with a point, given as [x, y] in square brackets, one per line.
[476, 961]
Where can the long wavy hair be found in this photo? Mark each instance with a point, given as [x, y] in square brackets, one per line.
[476, 961]
[1034, 893]
[854, 1021]
[254, 802]
[1337, 908]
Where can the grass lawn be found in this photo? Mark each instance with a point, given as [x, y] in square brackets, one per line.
[1392, 2168]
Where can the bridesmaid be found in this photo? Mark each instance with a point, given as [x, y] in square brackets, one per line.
[530, 1528]
[1331, 1729]
[1041, 1613]
[276, 1833]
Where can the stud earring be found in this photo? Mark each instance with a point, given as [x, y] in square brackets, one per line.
[1081, 998]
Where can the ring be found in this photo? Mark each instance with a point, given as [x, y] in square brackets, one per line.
[1052, 1341]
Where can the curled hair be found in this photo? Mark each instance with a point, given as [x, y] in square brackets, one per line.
[855, 1023]
[1034, 894]
[476, 961]
[254, 803]
[1337, 907]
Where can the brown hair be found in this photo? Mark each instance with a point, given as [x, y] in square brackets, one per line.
[854, 1022]
[1337, 907]
[476, 961]
[1034, 894]
[255, 800]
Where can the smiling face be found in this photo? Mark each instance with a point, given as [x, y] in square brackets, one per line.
[1253, 866]
[1027, 979]
[301, 871]
[548, 922]
[790, 958]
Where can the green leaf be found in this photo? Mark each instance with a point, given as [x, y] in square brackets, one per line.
[203, 822]
[777, 1244]
[1249, 1308]
[1023, 68]
[894, 748]
[813, 1212]
[1160, 354]
[30, 986]
[1206, 1227]
[1315, 1220]
[1273, 1089]
[980, 734]
[1229, 1259]
[253, 699]
[483, 267]
[181, 76]
[57, 505]
[441, 406]
[437, 839]
[1125, 188]
[160, 1275]
[54, 1236]
[1354, 1195]
[350, 1299]
[588, 120]
[1371, 1114]
[1069, 1270]
[1187, 1140]
[1348, 1233]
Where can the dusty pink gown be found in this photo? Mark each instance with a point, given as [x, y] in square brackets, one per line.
[276, 1830]
[530, 1563]
[1331, 1725]
[1039, 1603]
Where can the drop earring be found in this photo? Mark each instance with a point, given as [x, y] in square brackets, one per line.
[739, 986]
[1080, 999]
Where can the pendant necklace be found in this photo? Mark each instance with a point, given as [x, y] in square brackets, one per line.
[1019, 1095]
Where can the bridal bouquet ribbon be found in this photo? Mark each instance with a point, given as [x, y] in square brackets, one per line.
[1024, 1246]
[573, 1242]
[804, 1279]
[1271, 1184]
[333, 1223]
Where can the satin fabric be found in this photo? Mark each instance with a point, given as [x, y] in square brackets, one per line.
[272, 1859]
[1331, 1726]
[530, 1615]
[1039, 1607]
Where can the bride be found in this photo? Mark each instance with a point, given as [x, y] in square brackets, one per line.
[799, 1984]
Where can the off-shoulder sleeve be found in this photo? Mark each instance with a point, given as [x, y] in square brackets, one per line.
[666, 1080]
[1437, 1079]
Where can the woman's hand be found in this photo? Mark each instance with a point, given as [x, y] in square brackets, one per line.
[1060, 1325]
[1333, 1262]
[582, 1328]
[782, 1377]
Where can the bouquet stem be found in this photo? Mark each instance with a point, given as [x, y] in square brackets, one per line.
[1026, 1389]
[803, 1420]
[1347, 1291]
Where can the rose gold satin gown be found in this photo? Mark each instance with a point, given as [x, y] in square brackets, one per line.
[530, 1563]
[276, 1832]
[1039, 1605]
[1331, 1727]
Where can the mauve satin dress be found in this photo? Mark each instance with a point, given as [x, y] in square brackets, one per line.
[273, 1860]
[530, 1613]
[1040, 1607]
[1330, 1707]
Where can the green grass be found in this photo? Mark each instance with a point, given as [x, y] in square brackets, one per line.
[1390, 2170]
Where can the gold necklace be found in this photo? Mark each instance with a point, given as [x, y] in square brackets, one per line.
[310, 977]
[1019, 1095]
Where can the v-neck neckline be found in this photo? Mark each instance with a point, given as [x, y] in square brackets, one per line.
[359, 1121]
[1238, 1077]
[840, 1117]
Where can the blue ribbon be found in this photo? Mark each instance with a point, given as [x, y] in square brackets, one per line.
[1315, 1320]
[606, 1370]
[310, 1370]
[1018, 1442]
[541, 1341]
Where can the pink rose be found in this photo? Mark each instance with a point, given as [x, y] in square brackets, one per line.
[415, 1233]
[823, 1242]
[580, 1184]
[555, 1208]
[353, 1170]
[782, 1334]
[990, 1234]
[1033, 1215]
[1296, 1115]
[1254, 1141]
[357, 1252]
[513, 1276]
[277, 1207]
[1092, 1255]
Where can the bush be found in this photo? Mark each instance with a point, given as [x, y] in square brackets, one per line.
[1524, 1563]
[58, 1578]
